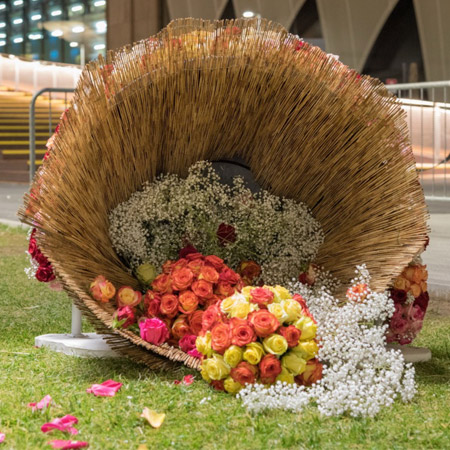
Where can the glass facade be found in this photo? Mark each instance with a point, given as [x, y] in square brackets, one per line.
[53, 30]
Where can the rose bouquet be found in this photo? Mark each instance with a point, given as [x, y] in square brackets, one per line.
[410, 298]
[260, 335]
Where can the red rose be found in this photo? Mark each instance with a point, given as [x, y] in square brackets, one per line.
[162, 283]
[126, 313]
[244, 373]
[312, 373]
[152, 302]
[40, 258]
[186, 251]
[309, 277]
[187, 342]
[220, 338]
[226, 234]
[229, 276]
[182, 278]
[196, 265]
[264, 322]
[291, 334]
[188, 302]
[422, 301]
[169, 305]
[210, 317]
[209, 274]
[224, 290]
[269, 368]
[214, 261]
[249, 270]
[218, 385]
[261, 296]
[45, 274]
[32, 248]
[202, 288]
[195, 321]
[181, 327]
[194, 256]
[242, 332]
[399, 296]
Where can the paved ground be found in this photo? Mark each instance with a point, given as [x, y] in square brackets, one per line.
[437, 256]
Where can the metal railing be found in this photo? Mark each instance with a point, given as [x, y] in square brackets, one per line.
[32, 156]
[428, 111]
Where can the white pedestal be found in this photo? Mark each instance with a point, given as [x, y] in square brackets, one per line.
[88, 345]
[412, 354]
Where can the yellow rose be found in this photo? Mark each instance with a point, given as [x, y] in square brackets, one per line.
[285, 376]
[203, 373]
[306, 349]
[240, 310]
[231, 386]
[282, 293]
[146, 273]
[292, 309]
[294, 363]
[278, 311]
[203, 344]
[246, 292]
[308, 328]
[227, 304]
[108, 290]
[216, 368]
[253, 353]
[275, 344]
[233, 355]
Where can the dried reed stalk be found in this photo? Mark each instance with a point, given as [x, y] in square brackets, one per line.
[308, 127]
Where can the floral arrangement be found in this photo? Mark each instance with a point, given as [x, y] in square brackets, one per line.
[172, 309]
[259, 335]
[410, 298]
[232, 222]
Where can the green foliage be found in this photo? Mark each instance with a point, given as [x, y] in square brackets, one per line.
[197, 417]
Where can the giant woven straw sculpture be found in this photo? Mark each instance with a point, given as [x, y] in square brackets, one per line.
[307, 126]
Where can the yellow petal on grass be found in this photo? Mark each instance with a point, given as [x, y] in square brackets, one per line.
[154, 419]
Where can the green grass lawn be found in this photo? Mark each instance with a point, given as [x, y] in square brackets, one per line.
[28, 309]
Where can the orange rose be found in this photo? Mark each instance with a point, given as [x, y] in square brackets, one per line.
[424, 286]
[402, 283]
[420, 274]
[408, 273]
[312, 373]
[415, 289]
[291, 334]
[181, 327]
[195, 321]
[127, 296]
[249, 270]
[182, 278]
[162, 283]
[224, 290]
[357, 293]
[167, 267]
[102, 290]
[202, 288]
[196, 266]
[214, 261]
[261, 296]
[269, 368]
[209, 274]
[152, 302]
[169, 305]
[241, 332]
[264, 322]
[220, 338]
[188, 302]
[244, 373]
[179, 264]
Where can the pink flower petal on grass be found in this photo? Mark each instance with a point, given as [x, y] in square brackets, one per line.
[63, 424]
[66, 445]
[106, 389]
[2, 437]
[44, 403]
[176, 382]
[188, 380]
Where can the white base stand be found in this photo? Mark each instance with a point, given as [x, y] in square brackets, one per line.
[412, 354]
[88, 345]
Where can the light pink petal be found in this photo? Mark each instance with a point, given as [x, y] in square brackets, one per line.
[63, 424]
[107, 389]
[2, 437]
[66, 445]
[188, 380]
[44, 403]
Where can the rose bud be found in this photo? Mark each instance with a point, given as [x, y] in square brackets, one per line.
[146, 273]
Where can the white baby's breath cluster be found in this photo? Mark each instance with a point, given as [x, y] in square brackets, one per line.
[280, 234]
[360, 375]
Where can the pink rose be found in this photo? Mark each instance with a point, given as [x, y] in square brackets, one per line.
[154, 331]
[398, 324]
[187, 342]
[416, 313]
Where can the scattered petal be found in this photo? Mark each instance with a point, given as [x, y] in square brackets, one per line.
[66, 445]
[63, 424]
[176, 382]
[2, 437]
[188, 380]
[154, 419]
[142, 447]
[44, 403]
[106, 389]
